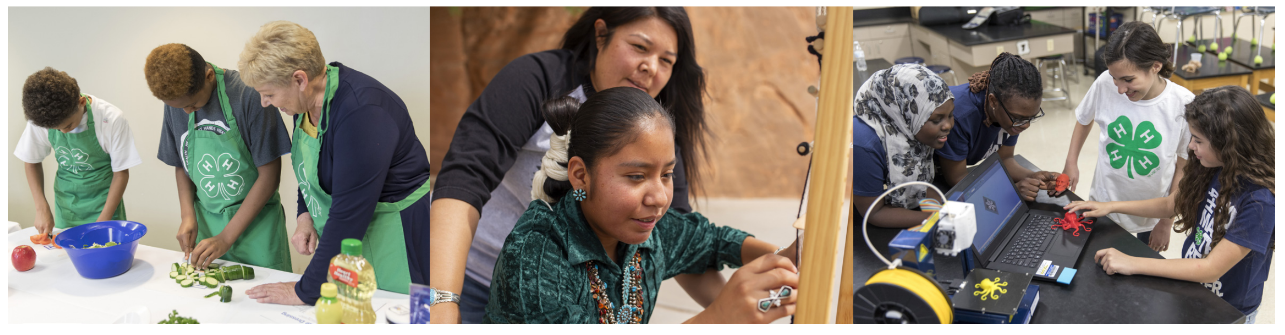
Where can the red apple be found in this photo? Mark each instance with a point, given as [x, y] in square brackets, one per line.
[24, 258]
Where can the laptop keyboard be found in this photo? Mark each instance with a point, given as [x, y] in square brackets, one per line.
[1030, 243]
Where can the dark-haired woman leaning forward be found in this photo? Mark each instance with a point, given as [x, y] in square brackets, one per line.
[485, 181]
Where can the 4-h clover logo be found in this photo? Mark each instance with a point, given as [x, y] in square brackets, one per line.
[74, 160]
[1131, 146]
[219, 176]
[301, 174]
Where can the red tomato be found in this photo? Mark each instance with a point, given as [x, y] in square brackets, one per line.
[24, 258]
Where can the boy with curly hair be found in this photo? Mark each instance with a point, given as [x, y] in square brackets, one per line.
[91, 142]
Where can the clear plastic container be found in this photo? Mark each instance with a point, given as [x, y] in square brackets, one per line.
[859, 56]
[355, 279]
[329, 311]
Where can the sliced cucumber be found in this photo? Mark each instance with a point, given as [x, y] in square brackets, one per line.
[174, 267]
[248, 273]
[211, 282]
[210, 285]
[214, 266]
[173, 274]
[186, 283]
[180, 278]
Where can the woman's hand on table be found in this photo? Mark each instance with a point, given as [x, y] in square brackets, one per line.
[208, 250]
[275, 293]
[1115, 262]
[187, 238]
[738, 301]
[305, 236]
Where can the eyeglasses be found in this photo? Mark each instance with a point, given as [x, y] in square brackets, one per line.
[1016, 121]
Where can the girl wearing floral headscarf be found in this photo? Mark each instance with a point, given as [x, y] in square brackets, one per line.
[902, 115]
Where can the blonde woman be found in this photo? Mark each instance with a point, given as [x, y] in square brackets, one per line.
[362, 172]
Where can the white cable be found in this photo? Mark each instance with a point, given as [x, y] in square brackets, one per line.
[866, 218]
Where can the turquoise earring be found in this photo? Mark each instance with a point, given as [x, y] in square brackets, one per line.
[579, 194]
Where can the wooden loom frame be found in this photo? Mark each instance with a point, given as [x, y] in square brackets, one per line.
[826, 235]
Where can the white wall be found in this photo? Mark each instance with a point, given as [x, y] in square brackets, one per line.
[105, 49]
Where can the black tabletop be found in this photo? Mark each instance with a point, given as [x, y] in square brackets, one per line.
[1265, 99]
[872, 65]
[991, 33]
[1211, 67]
[1093, 296]
[879, 16]
[1241, 52]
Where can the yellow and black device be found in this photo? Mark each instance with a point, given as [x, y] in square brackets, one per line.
[901, 295]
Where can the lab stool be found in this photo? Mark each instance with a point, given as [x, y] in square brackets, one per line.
[909, 60]
[1179, 14]
[1058, 70]
[1256, 40]
[942, 69]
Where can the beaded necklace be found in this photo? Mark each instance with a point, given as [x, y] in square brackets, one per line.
[631, 311]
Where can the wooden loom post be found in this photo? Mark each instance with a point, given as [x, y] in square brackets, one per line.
[824, 236]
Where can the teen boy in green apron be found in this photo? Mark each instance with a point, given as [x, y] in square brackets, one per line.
[219, 175]
[90, 182]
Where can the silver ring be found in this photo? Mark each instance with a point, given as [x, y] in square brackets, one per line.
[766, 303]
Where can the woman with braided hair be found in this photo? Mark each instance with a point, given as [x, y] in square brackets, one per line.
[600, 236]
[1143, 137]
[990, 111]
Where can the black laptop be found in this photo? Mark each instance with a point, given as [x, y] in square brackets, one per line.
[1012, 236]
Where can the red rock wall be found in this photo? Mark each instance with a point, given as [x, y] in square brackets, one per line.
[756, 62]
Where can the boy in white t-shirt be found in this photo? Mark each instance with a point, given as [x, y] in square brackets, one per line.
[1144, 135]
[92, 145]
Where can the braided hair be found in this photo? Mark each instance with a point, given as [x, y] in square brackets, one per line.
[1009, 76]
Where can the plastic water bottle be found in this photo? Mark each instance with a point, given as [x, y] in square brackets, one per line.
[859, 55]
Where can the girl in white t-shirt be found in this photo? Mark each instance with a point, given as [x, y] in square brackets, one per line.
[1144, 135]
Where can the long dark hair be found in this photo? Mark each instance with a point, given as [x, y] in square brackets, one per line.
[601, 126]
[1009, 76]
[1235, 126]
[681, 95]
[1141, 45]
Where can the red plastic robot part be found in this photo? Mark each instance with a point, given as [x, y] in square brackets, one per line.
[1072, 221]
[1063, 181]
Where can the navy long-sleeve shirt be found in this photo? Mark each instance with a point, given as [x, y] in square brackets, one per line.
[370, 144]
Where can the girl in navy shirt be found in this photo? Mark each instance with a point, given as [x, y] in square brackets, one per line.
[1225, 203]
[902, 115]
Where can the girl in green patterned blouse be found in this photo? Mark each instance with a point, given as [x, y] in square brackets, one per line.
[596, 244]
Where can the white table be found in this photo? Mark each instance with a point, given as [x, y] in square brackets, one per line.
[53, 292]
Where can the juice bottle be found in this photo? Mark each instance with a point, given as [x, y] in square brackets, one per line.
[355, 279]
[328, 309]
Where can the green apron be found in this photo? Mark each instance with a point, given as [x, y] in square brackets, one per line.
[384, 245]
[84, 176]
[223, 171]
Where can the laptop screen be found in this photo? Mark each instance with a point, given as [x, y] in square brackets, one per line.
[994, 199]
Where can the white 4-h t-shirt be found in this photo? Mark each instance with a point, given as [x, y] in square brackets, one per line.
[1140, 143]
[111, 129]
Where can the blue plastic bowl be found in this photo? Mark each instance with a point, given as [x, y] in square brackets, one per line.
[99, 263]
